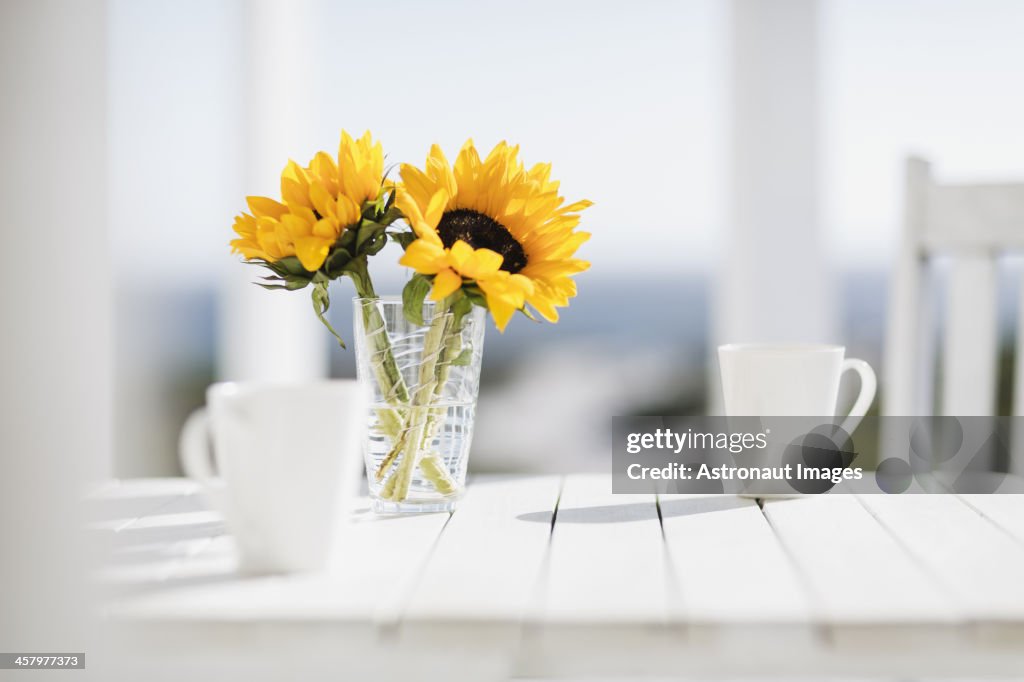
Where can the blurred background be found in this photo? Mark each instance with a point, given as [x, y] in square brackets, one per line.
[745, 159]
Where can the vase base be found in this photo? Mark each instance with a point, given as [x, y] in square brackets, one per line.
[380, 506]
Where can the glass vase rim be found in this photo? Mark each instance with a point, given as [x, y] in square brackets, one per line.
[387, 298]
[395, 299]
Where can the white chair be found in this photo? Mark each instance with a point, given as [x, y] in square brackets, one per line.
[972, 225]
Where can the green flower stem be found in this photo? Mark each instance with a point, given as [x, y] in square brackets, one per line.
[398, 444]
[434, 471]
[397, 487]
[431, 465]
[382, 358]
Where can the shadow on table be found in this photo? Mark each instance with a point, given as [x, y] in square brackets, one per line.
[636, 511]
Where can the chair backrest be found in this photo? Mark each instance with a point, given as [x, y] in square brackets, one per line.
[972, 225]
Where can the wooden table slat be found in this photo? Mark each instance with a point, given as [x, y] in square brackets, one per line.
[607, 560]
[980, 564]
[728, 562]
[853, 567]
[369, 579]
[488, 560]
[928, 584]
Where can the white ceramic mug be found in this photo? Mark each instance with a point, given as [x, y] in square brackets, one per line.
[288, 463]
[791, 380]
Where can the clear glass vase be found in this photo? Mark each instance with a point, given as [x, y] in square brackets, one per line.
[424, 381]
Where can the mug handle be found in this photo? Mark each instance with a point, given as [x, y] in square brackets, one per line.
[194, 448]
[868, 386]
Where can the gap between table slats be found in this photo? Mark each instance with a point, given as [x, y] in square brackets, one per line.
[1005, 511]
[856, 572]
[728, 562]
[606, 588]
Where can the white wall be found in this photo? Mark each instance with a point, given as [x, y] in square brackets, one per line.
[55, 395]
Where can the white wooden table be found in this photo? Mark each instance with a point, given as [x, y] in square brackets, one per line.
[557, 577]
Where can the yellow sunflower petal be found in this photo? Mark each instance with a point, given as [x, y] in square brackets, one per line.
[440, 171]
[501, 311]
[296, 226]
[524, 284]
[435, 209]
[304, 213]
[295, 192]
[556, 268]
[408, 204]
[411, 210]
[417, 187]
[324, 170]
[264, 206]
[294, 171]
[466, 172]
[543, 304]
[482, 263]
[269, 239]
[360, 167]
[312, 251]
[459, 254]
[248, 248]
[347, 211]
[554, 246]
[245, 225]
[321, 200]
[424, 257]
[446, 282]
[327, 228]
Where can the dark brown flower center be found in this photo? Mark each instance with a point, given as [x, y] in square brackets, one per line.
[482, 232]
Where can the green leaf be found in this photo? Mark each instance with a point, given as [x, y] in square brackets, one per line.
[463, 358]
[289, 285]
[321, 303]
[376, 207]
[375, 245]
[416, 289]
[389, 215]
[347, 240]
[525, 311]
[460, 308]
[473, 293]
[367, 231]
[292, 266]
[404, 238]
[336, 262]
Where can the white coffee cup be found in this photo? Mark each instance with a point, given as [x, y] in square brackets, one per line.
[288, 463]
[791, 380]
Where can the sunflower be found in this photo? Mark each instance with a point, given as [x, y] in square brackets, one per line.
[318, 202]
[496, 224]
